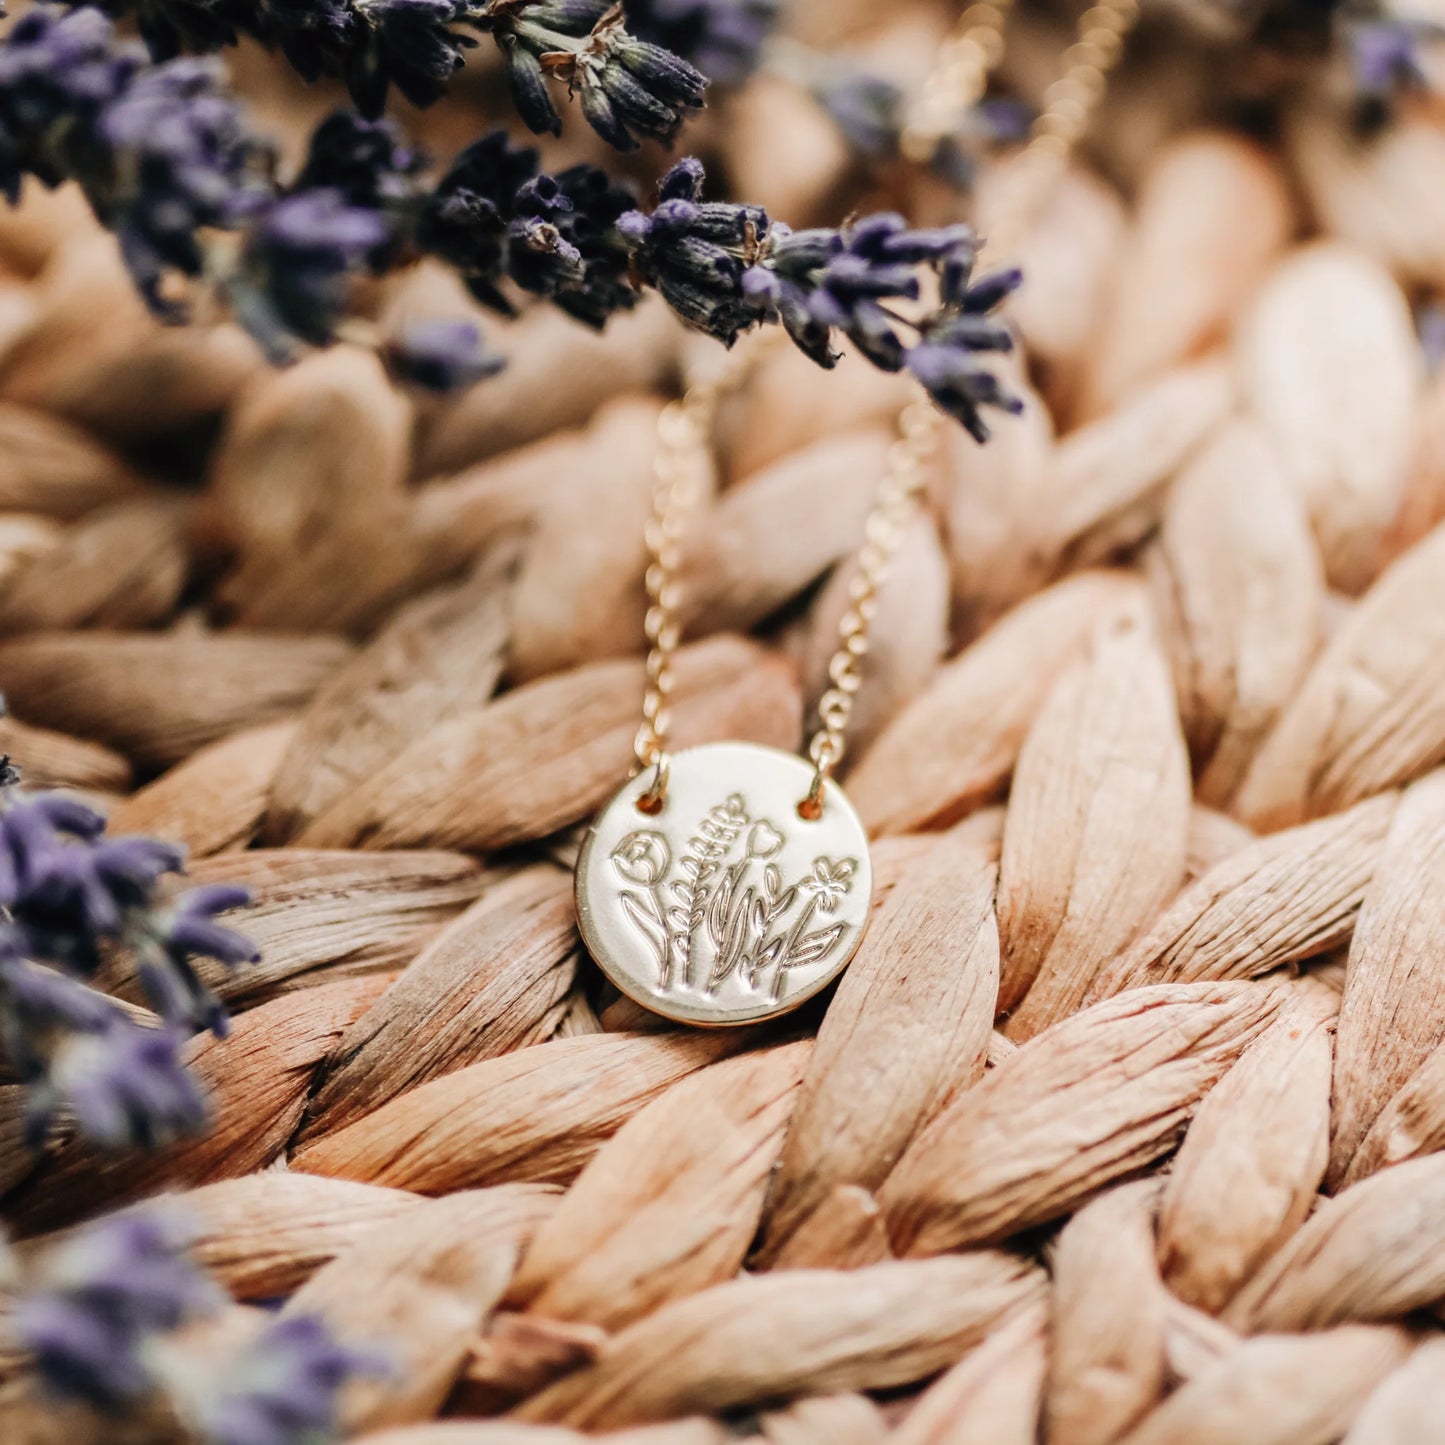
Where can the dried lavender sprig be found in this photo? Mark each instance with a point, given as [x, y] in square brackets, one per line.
[627, 87]
[97, 1312]
[507, 227]
[726, 268]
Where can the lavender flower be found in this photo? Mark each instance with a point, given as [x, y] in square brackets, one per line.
[1386, 62]
[160, 151]
[367, 161]
[97, 1314]
[440, 356]
[820, 282]
[696, 252]
[723, 38]
[282, 1390]
[293, 280]
[122, 1083]
[495, 217]
[406, 43]
[945, 361]
[628, 87]
[102, 1297]
[867, 108]
[68, 894]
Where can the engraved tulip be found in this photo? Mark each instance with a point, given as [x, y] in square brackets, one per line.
[642, 858]
[764, 840]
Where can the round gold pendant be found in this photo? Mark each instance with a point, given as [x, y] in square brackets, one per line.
[726, 906]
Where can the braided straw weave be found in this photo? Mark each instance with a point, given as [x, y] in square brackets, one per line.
[1125, 1125]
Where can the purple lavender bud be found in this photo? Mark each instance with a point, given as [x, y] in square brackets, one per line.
[1385, 55]
[441, 356]
[1387, 62]
[528, 84]
[69, 815]
[405, 43]
[101, 1296]
[34, 1000]
[723, 38]
[986, 294]
[130, 868]
[1430, 327]
[282, 1389]
[64, 908]
[960, 386]
[495, 219]
[866, 108]
[628, 88]
[696, 255]
[300, 258]
[173, 939]
[125, 1085]
[365, 160]
[684, 181]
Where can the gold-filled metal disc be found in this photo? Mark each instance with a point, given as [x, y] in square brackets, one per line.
[725, 906]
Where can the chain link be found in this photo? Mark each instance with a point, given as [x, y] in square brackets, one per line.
[685, 466]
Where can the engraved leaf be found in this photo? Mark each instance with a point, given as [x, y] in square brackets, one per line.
[641, 910]
[814, 946]
[718, 909]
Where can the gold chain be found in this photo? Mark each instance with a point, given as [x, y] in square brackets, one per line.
[957, 82]
[684, 465]
[683, 474]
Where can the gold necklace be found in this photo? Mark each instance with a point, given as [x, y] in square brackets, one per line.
[731, 882]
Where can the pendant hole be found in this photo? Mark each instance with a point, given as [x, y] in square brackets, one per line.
[810, 809]
[650, 803]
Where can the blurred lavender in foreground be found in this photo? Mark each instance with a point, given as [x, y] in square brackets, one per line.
[99, 1299]
[97, 1313]
[282, 1389]
[69, 895]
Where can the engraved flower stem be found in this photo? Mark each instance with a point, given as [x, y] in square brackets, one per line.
[790, 944]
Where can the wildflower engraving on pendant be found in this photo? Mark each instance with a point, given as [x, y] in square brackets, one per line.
[727, 906]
